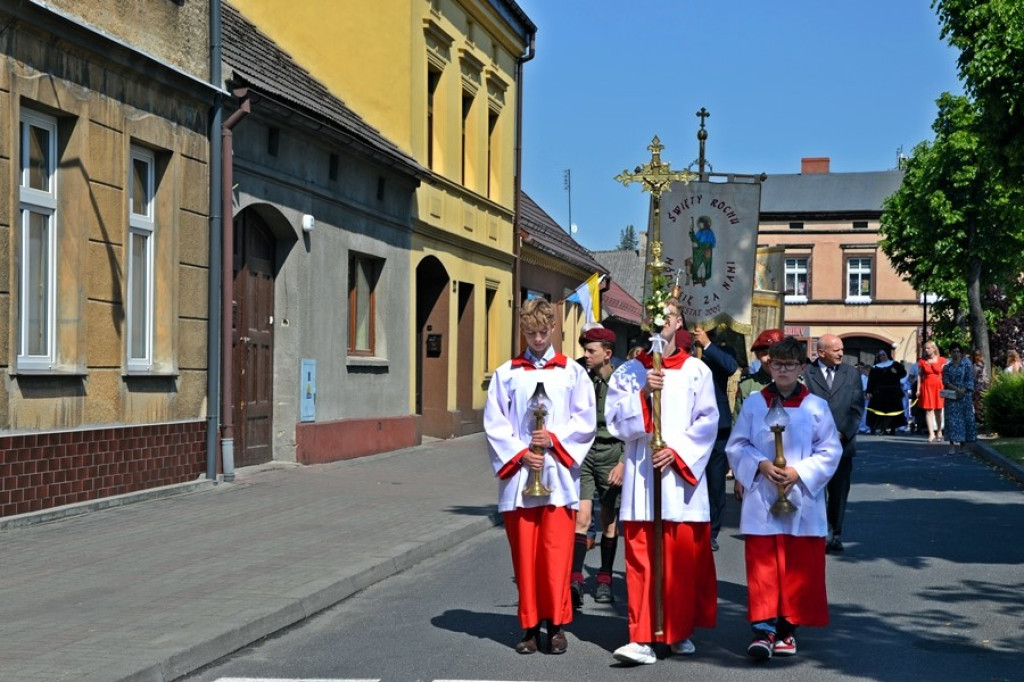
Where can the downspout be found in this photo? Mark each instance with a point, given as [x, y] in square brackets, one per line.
[213, 300]
[227, 288]
[518, 187]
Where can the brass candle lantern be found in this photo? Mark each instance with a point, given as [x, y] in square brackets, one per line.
[777, 420]
[540, 407]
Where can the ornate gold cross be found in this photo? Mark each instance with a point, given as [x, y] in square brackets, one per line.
[655, 176]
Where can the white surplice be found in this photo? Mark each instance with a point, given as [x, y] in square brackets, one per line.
[689, 425]
[810, 444]
[508, 422]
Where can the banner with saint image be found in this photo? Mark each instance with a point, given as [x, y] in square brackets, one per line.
[709, 238]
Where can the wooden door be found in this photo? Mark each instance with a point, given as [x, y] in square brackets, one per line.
[253, 335]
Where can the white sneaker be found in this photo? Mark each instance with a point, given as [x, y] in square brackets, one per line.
[683, 648]
[638, 654]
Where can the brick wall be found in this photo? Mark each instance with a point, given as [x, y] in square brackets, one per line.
[43, 470]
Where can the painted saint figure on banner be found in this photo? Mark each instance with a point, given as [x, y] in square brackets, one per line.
[710, 230]
[703, 241]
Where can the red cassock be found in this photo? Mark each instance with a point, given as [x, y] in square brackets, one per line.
[541, 539]
[689, 584]
[786, 577]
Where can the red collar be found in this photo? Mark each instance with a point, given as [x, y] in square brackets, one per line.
[674, 361]
[520, 362]
[770, 392]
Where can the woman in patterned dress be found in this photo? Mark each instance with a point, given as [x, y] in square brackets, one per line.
[958, 375]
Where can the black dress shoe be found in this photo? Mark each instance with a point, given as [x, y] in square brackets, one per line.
[834, 545]
[558, 642]
[528, 644]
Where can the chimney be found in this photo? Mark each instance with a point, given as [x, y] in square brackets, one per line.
[814, 164]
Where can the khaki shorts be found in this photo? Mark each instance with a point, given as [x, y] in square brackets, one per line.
[594, 471]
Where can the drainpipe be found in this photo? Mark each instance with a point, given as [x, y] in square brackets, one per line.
[227, 287]
[213, 304]
[518, 187]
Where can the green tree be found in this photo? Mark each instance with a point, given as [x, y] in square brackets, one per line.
[627, 239]
[954, 227]
[990, 37]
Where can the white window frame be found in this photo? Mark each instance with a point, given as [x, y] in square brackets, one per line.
[38, 201]
[139, 356]
[860, 272]
[796, 270]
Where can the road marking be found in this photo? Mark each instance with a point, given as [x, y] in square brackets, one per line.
[307, 679]
[292, 679]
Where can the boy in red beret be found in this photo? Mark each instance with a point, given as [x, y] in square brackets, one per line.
[601, 473]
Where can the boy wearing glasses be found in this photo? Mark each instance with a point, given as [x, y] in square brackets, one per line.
[785, 552]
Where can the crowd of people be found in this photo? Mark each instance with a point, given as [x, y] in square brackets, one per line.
[643, 447]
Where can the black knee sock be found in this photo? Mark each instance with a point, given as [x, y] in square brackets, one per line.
[608, 547]
[579, 552]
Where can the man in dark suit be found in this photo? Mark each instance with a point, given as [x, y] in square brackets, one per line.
[840, 385]
[721, 360]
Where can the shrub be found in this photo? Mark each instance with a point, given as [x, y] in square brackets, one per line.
[1004, 405]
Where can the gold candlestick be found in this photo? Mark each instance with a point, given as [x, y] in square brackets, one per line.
[777, 421]
[540, 406]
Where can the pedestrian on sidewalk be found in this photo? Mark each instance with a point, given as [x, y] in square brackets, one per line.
[689, 424]
[600, 474]
[958, 376]
[722, 363]
[928, 386]
[885, 394]
[838, 384]
[785, 552]
[540, 530]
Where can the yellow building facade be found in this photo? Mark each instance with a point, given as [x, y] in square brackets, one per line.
[439, 79]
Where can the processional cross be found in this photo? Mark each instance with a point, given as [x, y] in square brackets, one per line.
[656, 177]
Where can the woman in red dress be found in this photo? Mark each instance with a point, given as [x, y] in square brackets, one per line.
[928, 387]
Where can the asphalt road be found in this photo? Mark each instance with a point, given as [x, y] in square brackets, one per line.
[930, 587]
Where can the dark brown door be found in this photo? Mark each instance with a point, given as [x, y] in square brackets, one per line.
[433, 294]
[253, 334]
[465, 365]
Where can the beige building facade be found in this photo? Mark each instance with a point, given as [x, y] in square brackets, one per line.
[836, 278]
[104, 208]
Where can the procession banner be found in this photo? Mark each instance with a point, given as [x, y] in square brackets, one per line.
[709, 238]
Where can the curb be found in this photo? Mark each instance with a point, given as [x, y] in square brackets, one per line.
[305, 606]
[999, 461]
[78, 508]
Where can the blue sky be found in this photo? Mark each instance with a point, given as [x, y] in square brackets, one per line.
[853, 81]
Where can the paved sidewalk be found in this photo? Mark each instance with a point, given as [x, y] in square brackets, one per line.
[154, 590]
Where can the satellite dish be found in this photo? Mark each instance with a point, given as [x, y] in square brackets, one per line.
[574, 228]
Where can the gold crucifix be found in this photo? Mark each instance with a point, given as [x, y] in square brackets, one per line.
[655, 177]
